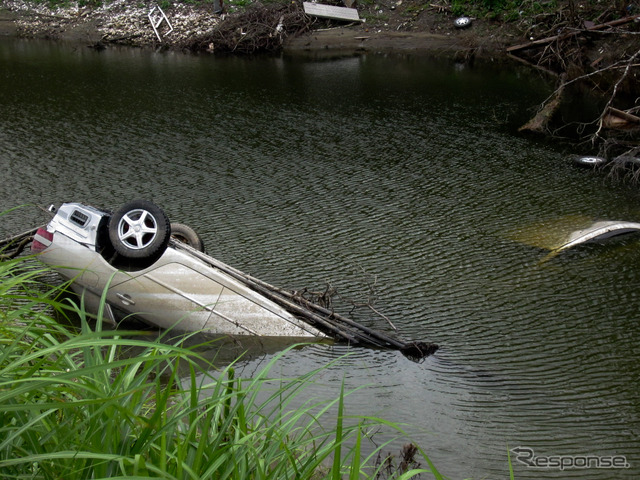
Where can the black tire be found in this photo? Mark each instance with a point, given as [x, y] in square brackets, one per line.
[185, 234]
[139, 230]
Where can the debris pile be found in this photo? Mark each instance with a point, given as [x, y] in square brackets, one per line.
[556, 53]
[127, 23]
[588, 50]
[260, 28]
[117, 22]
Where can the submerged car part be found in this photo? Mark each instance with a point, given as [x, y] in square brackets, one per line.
[599, 231]
[130, 254]
[559, 234]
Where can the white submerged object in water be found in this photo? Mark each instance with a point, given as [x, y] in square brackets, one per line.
[600, 230]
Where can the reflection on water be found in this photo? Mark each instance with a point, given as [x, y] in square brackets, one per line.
[406, 174]
[551, 233]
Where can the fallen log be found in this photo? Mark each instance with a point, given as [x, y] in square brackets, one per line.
[539, 122]
[617, 118]
[531, 64]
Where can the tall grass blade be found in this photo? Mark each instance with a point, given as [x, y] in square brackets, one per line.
[93, 403]
[337, 455]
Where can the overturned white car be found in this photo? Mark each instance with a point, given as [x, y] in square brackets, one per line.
[149, 267]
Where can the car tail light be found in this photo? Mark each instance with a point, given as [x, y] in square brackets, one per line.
[41, 240]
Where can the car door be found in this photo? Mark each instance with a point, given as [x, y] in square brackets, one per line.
[173, 295]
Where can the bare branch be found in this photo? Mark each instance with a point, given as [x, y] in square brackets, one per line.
[605, 111]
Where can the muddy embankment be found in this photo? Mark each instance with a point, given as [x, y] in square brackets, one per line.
[128, 23]
[388, 25]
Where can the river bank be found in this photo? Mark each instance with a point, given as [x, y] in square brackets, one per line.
[403, 26]
[385, 29]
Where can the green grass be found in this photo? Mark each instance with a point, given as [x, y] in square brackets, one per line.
[90, 403]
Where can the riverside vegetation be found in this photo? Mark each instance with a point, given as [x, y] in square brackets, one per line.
[86, 402]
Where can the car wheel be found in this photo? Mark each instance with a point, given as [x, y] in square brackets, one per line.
[188, 235]
[462, 22]
[139, 230]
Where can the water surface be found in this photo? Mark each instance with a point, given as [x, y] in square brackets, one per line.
[406, 174]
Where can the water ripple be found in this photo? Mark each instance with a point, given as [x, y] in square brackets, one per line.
[392, 180]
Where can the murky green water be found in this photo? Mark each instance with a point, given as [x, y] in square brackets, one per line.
[403, 173]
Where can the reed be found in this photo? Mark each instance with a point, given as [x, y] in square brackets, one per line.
[87, 402]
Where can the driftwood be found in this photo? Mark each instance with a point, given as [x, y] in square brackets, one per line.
[18, 238]
[328, 321]
[538, 124]
[615, 118]
[568, 34]
[607, 109]
[261, 28]
[13, 246]
[15, 250]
